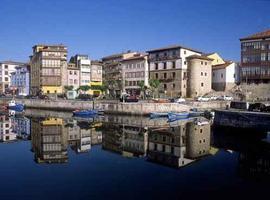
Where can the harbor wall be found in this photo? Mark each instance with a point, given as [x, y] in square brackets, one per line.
[139, 108]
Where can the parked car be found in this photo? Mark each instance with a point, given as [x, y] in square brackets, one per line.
[213, 98]
[85, 97]
[43, 96]
[203, 98]
[179, 100]
[129, 98]
[259, 107]
[225, 98]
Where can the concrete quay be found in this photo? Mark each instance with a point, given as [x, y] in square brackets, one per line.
[242, 119]
[114, 107]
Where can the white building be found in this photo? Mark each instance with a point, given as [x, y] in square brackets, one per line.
[6, 129]
[6, 68]
[225, 76]
[83, 63]
[135, 70]
[20, 80]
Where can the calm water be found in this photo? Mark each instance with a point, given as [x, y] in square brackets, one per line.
[128, 158]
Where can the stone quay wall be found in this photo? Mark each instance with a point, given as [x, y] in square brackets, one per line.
[140, 108]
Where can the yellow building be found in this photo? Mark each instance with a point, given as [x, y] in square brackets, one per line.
[48, 69]
[217, 60]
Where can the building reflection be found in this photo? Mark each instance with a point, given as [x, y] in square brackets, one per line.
[21, 126]
[179, 146]
[7, 132]
[49, 140]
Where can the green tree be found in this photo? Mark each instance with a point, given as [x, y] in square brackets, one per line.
[68, 87]
[154, 85]
[142, 88]
[84, 88]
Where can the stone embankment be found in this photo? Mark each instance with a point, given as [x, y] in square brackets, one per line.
[114, 107]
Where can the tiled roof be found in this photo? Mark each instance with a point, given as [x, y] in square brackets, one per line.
[173, 47]
[199, 57]
[222, 66]
[264, 34]
[136, 57]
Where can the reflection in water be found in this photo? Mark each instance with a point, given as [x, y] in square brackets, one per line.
[179, 146]
[174, 146]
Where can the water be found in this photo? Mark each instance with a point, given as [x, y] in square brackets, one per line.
[128, 158]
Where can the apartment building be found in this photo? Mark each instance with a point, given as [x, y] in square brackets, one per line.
[83, 63]
[112, 71]
[135, 69]
[20, 80]
[169, 65]
[48, 66]
[73, 76]
[255, 58]
[6, 130]
[96, 77]
[6, 69]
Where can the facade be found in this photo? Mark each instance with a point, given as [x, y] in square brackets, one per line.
[199, 75]
[83, 63]
[255, 58]
[20, 80]
[169, 65]
[135, 69]
[225, 76]
[96, 77]
[48, 66]
[6, 69]
[21, 127]
[112, 71]
[73, 76]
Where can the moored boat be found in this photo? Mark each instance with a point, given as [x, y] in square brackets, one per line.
[158, 115]
[12, 105]
[85, 113]
[178, 116]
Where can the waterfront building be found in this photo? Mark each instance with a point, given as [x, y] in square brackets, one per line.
[83, 63]
[179, 146]
[48, 66]
[169, 65]
[49, 140]
[255, 58]
[112, 71]
[73, 76]
[6, 130]
[96, 77]
[135, 70]
[6, 69]
[199, 75]
[225, 76]
[20, 80]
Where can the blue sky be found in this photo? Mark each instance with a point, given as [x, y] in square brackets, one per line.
[103, 27]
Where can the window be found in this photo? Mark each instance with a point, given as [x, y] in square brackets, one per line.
[164, 65]
[263, 56]
[75, 73]
[201, 62]
[6, 66]
[184, 86]
[55, 91]
[165, 75]
[173, 86]
[201, 73]
[163, 148]
[233, 75]
[165, 86]
[205, 74]
[185, 62]
[205, 63]
[185, 52]
[172, 150]
[70, 72]
[156, 75]
[164, 138]
[173, 64]
[213, 74]
[263, 46]
[201, 84]
[221, 75]
[6, 78]
[200, 130]
[156, 66]
[6, 72]
[155, 147]
[173, 74]
[48, 92]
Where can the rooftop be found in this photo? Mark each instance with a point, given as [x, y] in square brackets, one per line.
[136, 57]
[222, 66]
[260, 35]
[10, 62]
[118, 55]
[173, 47]
[199, 57]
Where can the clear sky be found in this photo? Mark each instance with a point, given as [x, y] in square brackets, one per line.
[103, 27]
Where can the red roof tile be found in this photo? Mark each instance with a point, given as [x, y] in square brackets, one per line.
[264, 34]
